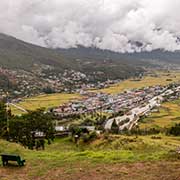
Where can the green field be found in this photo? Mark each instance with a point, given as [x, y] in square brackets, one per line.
[167, 115]
[65, 160]
[44, 101]
[161, 79]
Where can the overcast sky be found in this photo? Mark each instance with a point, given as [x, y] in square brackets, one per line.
[118, 25]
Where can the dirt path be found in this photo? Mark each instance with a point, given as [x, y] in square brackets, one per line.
[122, 171]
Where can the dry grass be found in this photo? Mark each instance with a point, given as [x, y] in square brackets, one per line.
[122, 171]
[146, 81]
[44, 101]
[168, 115]
[164, 170]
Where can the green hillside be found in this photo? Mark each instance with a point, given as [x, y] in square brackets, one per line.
[63, 159]
[17, 54]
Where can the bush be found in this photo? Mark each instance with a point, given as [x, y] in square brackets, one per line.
[89, 137]
[175, 130]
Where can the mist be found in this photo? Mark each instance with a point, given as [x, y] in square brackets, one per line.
[117, 25]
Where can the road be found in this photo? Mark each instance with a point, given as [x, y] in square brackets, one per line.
[136, 113]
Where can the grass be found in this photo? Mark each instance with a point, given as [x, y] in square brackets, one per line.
[167, 116]
[161, 79]
[66, 157]
[112, 150]
[44, 101]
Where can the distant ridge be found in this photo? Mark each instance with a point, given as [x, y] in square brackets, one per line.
[17, 54]
[82, 52]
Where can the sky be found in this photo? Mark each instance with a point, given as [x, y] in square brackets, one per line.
[117, 25]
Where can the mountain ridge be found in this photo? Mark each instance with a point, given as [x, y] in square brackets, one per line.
[18, 54]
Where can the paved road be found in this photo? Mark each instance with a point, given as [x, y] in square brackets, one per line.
[136, 113]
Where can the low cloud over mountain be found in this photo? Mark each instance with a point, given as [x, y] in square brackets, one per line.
[118, 25]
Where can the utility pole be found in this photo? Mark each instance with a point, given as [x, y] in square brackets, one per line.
[7, 113]
[7, 109]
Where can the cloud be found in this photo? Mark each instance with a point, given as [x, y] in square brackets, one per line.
[118, 25]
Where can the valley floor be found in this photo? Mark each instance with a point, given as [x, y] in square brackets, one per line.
[109, 157]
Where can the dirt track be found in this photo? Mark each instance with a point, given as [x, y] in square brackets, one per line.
[125, 171]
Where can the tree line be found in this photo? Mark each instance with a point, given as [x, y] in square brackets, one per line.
[31, 129]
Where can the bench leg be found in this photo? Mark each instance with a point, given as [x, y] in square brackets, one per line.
[21, 163]
[5, 163]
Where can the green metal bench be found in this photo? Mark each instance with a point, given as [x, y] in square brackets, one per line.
[12, 157]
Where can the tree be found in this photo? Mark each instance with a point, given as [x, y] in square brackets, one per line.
[175, 130]
[114, 127]
[48, 90]
[23, 129]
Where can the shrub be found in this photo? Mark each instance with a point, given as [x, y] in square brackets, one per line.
[175, 130]
[89, 137]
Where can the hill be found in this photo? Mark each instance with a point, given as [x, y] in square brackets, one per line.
[27, 69]
[136, 58]
[17, 54]
[112, 157]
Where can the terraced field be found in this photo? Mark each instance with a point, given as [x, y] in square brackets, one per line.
[168, 115]
[47, 101]
[44, 101]
[161, 79]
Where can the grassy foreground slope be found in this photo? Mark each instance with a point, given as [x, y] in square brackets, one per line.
[111, 157]
[44, 101]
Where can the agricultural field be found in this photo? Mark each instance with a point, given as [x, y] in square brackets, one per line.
[108, 157]
[159, 78]
[47, 101]
[167, 115]
[44, 101]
